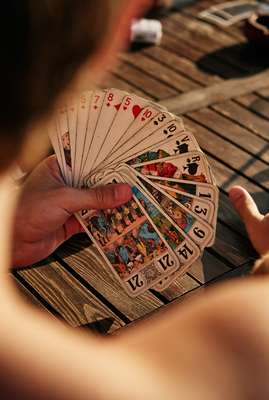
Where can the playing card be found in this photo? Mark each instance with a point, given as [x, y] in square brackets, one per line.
[97, 100]
[64, 141]
[151, 144]
[72, 112]
[129, 242]
[140, 132]
[83, 105]
[185, 249]
[111, 104]
[109, 136]
[176, 142]
[58, 149]
[191, 166]
[129, 109]
[189, 222]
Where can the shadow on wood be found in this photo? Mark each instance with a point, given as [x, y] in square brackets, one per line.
[247, 59]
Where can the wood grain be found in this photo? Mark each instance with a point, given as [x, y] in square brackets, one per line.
[76, 304]
[216, 93]
[232, 131]
[237, 159]
[85, 260]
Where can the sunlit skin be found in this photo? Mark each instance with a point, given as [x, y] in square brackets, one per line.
[214, 346]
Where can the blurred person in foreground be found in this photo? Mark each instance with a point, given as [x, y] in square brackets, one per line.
[216, 346]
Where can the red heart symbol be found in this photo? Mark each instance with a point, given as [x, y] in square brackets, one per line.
[117, 106]
[136, 110]
[125, 108]
[143, 119]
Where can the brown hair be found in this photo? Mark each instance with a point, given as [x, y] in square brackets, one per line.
[43, 44]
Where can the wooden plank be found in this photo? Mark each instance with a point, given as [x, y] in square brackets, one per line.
[233, 132]
[232, 247]
[85, 260]
[237, 159]
[182, 65]
[138, 78]
[213, 43]
[163, 73]
[112, 81]
[76, 304]
[204, 97]
[27, 296]
[244, 117]
[258, 105]
[208, 268]
[193, 10]
[179, 287]
[264, 92]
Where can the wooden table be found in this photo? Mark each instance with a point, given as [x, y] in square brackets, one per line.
[212, 76]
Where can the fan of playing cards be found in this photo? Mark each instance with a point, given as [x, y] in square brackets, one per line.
[110, 136]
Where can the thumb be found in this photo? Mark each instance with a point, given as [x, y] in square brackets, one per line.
[100, 197]
[245, 206]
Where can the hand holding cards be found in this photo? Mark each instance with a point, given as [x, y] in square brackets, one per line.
[110, 136]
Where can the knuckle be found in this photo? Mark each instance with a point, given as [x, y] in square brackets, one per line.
[100, 196]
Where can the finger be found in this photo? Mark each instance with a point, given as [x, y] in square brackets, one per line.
[261, 266]
[245, 206]
[101, 197]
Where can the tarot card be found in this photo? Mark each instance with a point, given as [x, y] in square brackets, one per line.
[157, 138]
[191, 166]
[176, 142]
[72, 112]
[128, 111]
[130, 244]
[189, 222]
[96, 104]
[111, 104]
[142, 119]
[205, 209]
[58, 149]
[185, 249]
[199, 189]
[206, 194]
[84, 102]
[146, 130]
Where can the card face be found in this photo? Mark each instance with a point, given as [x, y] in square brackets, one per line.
[177, 143]
[64, 140]
[95, 107]
[192, 166]
[130, 244]
[84, 102]
[190, 223]
[55, 141]
[72, 112]
[129, 109]
[205, 209]
[152, 126]
[111, 104]
[185, 249]
[202, 190]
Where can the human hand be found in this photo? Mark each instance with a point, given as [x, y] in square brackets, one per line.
[257, 225]
[44, 217]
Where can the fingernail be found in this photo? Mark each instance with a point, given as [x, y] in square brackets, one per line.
[236, 193]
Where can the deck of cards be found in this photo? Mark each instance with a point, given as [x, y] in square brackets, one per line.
[110, 136]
